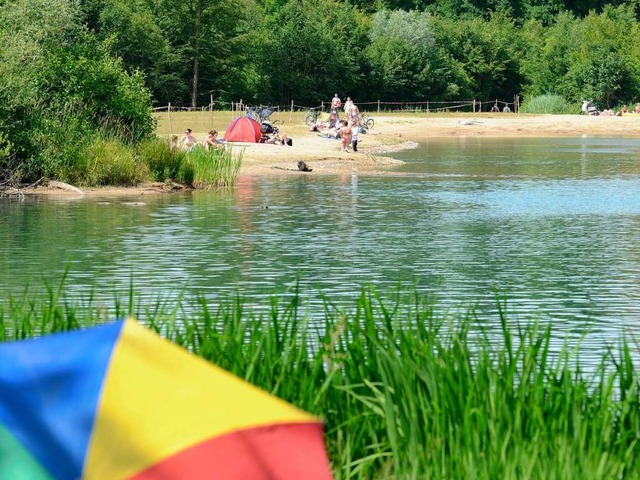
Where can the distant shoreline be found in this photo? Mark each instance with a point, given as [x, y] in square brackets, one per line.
[391, 133]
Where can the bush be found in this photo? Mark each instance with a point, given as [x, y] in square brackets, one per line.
[548, 104]
[163, 161]
[111, 162]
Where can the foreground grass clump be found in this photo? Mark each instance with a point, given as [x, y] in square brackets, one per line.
[405, 393]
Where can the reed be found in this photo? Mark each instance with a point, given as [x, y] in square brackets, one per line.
[405, 393]
[214, 168]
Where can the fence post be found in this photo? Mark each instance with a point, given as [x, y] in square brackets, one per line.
[169, 113]
[427, 106]
[378, 106]
[291, 111]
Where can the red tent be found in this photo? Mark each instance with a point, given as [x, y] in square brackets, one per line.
[243, 129]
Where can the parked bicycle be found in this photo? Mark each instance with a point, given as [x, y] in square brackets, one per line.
[312, 115]
[365, 121]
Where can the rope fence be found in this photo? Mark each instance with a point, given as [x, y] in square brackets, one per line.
[230, 110]
[468, 106]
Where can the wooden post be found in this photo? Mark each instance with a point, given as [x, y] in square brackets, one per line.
[378, 106]
[211, 110]
[291, 111]
[474, 105]
[169, 113]
[427, 106]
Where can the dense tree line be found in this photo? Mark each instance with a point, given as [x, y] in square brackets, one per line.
[74, 69]
[275, 51]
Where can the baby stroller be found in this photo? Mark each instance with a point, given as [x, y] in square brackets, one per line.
[263, 114]
[589, 108]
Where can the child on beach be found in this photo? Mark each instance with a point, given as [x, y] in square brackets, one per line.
[345, 132]
[355, 129]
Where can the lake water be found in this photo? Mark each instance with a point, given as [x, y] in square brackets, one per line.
[551, 224]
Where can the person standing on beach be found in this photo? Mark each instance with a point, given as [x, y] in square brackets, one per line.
[355, 129]
[336, 103]
[345, 132]
[347, 106]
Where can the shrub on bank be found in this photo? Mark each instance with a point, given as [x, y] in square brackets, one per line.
[112, 162]
[163, 161]
[552, 104]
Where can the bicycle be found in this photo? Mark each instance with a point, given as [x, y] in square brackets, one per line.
[312, 115]
[365, 122]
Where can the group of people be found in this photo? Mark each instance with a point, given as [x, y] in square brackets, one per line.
[625, 109]
[346, 130]
[189, 142]
[350, 109]
[496, 108]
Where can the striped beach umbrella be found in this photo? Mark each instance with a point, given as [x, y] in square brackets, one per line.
[119, 402]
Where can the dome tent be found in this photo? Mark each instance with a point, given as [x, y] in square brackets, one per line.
[243, 129]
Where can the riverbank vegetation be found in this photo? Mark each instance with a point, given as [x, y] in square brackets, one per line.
[78, 74]
[404, 392]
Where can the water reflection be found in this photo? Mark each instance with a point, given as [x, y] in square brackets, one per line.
[551, 224]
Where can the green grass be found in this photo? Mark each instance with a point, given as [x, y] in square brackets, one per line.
[405, 393]
[213, 168]
[549, 104]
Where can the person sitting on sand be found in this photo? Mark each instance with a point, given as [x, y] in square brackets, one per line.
[495, 108]
[174, 143]
[212, 141]
[624, 110]
[281, 139]
[637, 110]
[188, 140]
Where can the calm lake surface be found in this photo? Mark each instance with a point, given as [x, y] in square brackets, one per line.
[551, 224]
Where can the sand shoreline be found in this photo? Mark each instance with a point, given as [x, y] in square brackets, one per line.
[390, 134]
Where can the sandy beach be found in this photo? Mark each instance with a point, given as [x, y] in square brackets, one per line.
[390, 133]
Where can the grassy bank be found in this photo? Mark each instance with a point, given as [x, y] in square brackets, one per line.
[404, 393]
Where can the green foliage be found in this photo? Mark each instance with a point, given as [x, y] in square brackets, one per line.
[162, 160]
[132, 33]
[486, 52]
[403, 391]
[600, 63]
[400, 54]
[108, 161]
[310, 50]
[548, 104]
[60, 90]
[213, 168]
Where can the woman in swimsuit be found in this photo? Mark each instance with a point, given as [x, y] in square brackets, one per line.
[345, 131]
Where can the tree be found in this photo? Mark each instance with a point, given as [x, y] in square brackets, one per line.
[312, 51]
[599, 63]
[131, 32]
[61, 89]
[209, 36]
